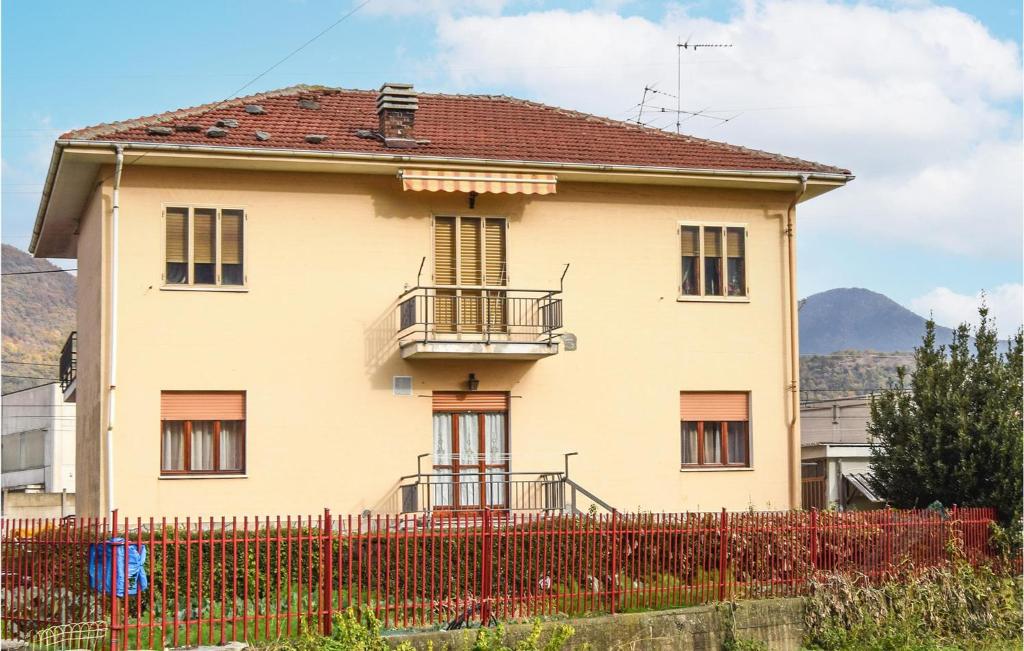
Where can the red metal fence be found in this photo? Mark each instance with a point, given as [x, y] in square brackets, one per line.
[213, 580]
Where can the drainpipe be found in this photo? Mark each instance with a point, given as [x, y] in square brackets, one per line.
[794, 352]
[114, 251]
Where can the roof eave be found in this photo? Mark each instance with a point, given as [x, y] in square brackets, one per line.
[824, 178]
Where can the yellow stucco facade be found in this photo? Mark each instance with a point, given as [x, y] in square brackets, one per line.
[311, 341]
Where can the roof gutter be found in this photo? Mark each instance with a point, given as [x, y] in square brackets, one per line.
[407, 159]
[44, 201]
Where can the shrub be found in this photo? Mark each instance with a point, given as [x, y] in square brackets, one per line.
[954, 605]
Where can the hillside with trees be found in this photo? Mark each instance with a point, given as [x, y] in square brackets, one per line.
[849, 373]
[38, 312]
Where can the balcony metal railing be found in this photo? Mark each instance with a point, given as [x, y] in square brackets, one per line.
[478, 314]
[69, 361]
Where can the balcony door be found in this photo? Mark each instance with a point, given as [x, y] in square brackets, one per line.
[469, 265]
[471, 443]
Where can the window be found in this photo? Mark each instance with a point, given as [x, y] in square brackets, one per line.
[202, 433]
[713, 261]
[204, 246]
[715, 429]
[469, 256]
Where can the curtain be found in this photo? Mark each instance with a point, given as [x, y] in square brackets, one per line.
[495, 453]
[205, 253]
[689, 442]
[469, 457]
[173, 445]
[202, 445]
[442, 489]
[231, 445]
[737, 442]
[712, 443]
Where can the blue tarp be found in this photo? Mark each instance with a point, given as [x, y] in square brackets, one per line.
[102, 557]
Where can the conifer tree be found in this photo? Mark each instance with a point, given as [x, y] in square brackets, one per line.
[952, 430]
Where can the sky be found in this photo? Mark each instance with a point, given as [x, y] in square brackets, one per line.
[920, 99]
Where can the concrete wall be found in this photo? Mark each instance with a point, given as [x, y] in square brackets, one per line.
[91, 298]
[778, 623]
[310, 341]
[42, 412]
[38, 505]
[835, 421]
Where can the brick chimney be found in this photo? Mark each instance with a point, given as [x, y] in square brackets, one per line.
[396, 111]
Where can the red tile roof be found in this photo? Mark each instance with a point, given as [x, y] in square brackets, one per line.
[456, 126]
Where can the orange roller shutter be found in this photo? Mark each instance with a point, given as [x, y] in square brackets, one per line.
[205, 236]
[202, 405]
[231, 237]
[470, 401]
[714, 406]
[177, 235]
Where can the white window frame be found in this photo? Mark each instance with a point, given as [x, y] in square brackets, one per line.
[702, 298]
[190, 286]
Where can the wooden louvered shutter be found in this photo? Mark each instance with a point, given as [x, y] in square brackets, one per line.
[495, 271]
[202, 405]
[205, 237]
[470, 401]
[231, 237]
[176, 246]
[470, 251]
[444, 273]
[714, 406]
[444, 250]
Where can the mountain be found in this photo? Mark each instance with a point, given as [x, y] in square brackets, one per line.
[859, 319]
[38, 312]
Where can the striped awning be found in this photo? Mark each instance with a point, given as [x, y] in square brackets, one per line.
[479, 182]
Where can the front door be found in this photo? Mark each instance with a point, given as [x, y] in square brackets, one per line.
[471, 443]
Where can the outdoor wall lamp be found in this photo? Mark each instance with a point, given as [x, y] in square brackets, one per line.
[472, 383]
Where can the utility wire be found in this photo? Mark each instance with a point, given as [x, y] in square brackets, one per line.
[30, 363]
[27, 273]
[275, 65]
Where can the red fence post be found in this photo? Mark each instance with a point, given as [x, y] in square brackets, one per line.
[486, 555]
[326, 573]
[814, 541]
[613, 592]
[113, 578]
[723, 551]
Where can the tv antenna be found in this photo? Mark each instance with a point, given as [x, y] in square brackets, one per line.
[686, 45]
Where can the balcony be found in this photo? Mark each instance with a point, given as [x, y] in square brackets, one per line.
[478, 323]
[69, 367]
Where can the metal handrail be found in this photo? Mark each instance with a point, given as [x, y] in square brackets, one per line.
[69, 361]
[478, 313]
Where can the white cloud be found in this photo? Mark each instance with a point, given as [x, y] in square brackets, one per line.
[920, 101]
[1005, 303]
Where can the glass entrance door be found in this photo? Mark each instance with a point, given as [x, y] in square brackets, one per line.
[471, 460]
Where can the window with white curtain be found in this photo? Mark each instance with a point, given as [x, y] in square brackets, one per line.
[203, 447]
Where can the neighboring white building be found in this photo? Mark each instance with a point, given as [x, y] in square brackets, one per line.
[38, 443]
[835, 454]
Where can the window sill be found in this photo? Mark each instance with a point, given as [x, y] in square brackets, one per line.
[713, 299]
[233, 289]
[717, 469]
[197, 476]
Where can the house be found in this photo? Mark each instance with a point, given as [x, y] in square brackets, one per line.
[835, 454]
[38, 450]
[403, 301]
